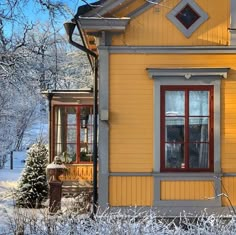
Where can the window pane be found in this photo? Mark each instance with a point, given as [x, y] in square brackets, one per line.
[83, 135]
[198, 129]
[71, 152]
[71, 115]
[85, 157]
[174, 103]
[198, 155]
[174, 155]
[71, 134]
[198, 103]
[186, 141]
[84, 116]
[187, 16]
[86, 128]
[174, 129]
[90, 136]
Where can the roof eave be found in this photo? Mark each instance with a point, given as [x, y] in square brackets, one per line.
[95, 24]
[104, 8]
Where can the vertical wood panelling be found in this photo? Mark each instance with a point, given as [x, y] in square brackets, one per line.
[228, 124]
[131, 117]
[187, 190]
[131, 127]
[132, 6]
[153, 28]
[131, 108]
[81, 172]
[130, 191]
[229, 191]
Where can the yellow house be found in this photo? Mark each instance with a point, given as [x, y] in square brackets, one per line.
[167, 110]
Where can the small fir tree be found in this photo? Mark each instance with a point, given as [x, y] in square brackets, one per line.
[33, 186]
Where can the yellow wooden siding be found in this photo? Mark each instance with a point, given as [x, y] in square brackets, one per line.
[187, 190]
[228, 124]
[153, 28]
[131, 107]
[78, 172]
[130, 191]
[229, 191]
[131, 119]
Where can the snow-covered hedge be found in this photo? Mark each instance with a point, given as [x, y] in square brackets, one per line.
[133, 222]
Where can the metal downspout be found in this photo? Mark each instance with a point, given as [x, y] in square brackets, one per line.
[50, 96]
[95, 105]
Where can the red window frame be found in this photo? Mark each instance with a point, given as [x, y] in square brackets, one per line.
[186, 141]
[77, 127]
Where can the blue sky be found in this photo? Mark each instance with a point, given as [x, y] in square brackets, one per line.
[33, 13]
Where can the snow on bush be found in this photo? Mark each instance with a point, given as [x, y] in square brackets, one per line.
[33, 186]
[129, 222]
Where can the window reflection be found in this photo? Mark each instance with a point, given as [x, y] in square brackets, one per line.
[73, 135]
[187, 129]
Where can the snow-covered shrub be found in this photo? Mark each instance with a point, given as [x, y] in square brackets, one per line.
[3, 160]
[128, 222]
[33, 186]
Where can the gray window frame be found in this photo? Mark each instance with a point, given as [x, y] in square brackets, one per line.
[191, 77]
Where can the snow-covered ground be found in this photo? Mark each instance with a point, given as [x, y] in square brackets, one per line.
[10, 216]
[8, 182]
[9, 177]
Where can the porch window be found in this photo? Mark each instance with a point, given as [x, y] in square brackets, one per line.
[187, 128]
[73, 133]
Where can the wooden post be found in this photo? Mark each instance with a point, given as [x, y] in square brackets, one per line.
[11, 160]
[54, 170]
[55, 194]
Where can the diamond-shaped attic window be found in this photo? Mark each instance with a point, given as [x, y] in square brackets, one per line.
[187, 16]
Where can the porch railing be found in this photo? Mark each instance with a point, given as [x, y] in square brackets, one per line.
[78, 172]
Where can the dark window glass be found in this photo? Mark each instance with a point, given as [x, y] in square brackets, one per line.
[187, 16]
[186, 121]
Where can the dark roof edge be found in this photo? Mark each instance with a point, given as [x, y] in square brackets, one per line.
[82, 10]
[102, 8]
